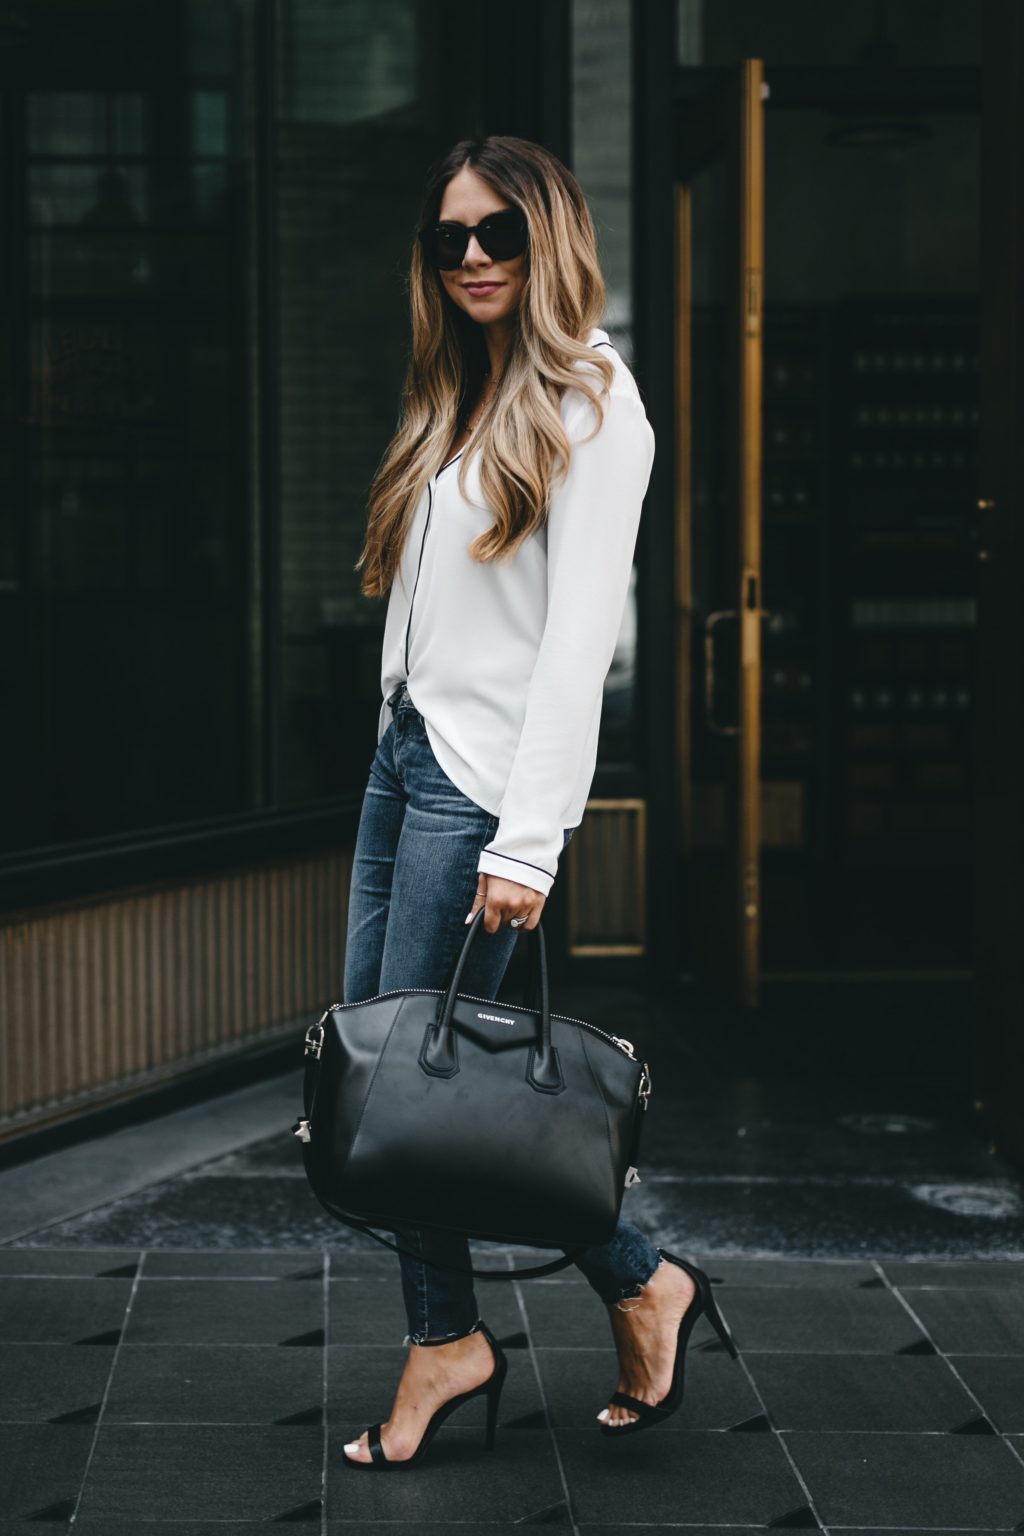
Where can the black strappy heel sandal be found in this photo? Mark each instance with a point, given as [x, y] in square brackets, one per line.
[653, 1413]
[491, 1388]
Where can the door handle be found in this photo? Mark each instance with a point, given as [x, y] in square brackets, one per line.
[710, 623]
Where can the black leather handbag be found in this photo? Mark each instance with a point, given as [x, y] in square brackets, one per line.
[430, 1108]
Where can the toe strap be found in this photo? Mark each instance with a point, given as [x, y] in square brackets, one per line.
[644, 1410]
[375, 1447]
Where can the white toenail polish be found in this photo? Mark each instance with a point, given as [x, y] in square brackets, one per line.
[353, 1447]
[603, 1414]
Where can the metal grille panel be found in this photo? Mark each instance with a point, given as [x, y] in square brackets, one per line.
[605, 897]
[98, 998]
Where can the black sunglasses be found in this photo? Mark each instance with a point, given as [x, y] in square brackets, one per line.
[502, 235]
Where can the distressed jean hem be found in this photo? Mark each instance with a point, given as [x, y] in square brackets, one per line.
[614, 1270]
[633, 1292]
[426, 1336]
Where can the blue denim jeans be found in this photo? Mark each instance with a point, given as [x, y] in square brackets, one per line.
[414, 878]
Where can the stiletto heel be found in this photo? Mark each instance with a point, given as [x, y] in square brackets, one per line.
[492, 1388]
[703, 1301]
[493, 1399]
[716, 1319]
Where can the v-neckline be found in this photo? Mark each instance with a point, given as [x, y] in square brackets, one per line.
[450, 461]
[597, 331]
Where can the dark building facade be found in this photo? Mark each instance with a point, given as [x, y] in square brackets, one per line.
[206, 210]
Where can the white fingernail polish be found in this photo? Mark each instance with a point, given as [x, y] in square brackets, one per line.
[469, 917]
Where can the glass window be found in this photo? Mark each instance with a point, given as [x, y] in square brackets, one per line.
[913, 33]
[126, 547]
[370, 96]
[601, 138]
[207, 210]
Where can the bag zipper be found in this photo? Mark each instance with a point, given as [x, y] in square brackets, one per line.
[313, 1047]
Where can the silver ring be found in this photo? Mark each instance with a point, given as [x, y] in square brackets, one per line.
[516, 922]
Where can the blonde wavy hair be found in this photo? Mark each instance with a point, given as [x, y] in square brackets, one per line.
[521, 442]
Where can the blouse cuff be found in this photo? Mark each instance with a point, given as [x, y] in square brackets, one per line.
[508, 868]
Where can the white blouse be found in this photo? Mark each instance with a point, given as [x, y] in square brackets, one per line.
[506, 661]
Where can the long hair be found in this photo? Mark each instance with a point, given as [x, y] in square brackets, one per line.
[522, 444]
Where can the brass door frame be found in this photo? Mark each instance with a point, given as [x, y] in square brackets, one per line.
[731, 124]
[751, 452]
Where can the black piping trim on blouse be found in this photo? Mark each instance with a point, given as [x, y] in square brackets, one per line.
[496, 855]
[643, 397]
[462, 450]
[423, 540]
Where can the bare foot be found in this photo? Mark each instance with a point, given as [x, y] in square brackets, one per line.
[645, 1338]
[432, 1376]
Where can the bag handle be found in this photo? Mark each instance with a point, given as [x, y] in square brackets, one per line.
[538, 981]
[439, 1054]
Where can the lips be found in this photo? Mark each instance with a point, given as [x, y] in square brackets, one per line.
[482, 288]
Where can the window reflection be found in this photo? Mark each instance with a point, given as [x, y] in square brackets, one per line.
[125, 444]
[342, 64]
[367, 102]
[79, 124]
[601, 162]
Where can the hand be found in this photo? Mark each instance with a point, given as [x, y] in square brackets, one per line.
[505, 899]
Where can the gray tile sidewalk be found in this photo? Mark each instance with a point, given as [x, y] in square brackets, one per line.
[197, 1390]
[186, 1340]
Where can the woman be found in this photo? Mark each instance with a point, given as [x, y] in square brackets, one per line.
[507, 577]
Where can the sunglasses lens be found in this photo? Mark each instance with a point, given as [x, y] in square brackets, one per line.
[503, 235]
[446, 244]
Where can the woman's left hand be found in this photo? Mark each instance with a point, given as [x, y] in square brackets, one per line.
[505, 899]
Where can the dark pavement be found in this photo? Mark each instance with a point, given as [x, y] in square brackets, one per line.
[187, 1340]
